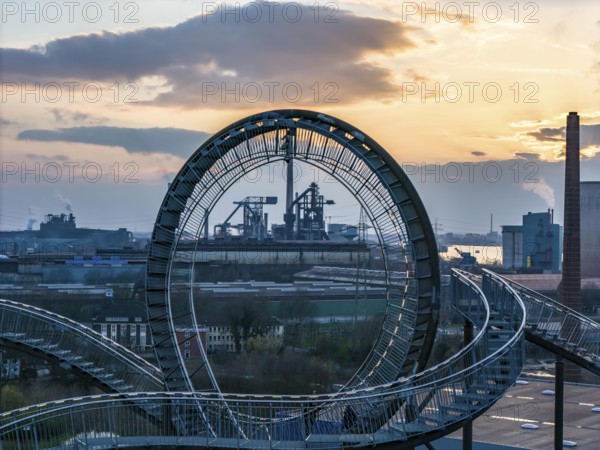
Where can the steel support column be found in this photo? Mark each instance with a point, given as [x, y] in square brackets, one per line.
[468, 428]
[559, 391]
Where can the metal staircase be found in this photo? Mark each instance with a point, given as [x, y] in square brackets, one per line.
[108, 365]
[559, 329]
[404, 412]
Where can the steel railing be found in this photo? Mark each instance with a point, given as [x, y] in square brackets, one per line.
[112, 366]
[434, 401]
[552, 322]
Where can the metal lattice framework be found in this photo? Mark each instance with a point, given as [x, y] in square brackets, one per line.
[559, 329]
[59, 340]
[361, 165]
[406, 412]
[390, 400]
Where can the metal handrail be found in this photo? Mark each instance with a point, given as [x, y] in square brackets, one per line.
[550, 303]
[560, 325]
[107, 349]
[433, 389]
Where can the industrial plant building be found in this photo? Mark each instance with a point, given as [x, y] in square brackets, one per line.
[60, 252]
[59, 235]
[590, 229]
[536, 245]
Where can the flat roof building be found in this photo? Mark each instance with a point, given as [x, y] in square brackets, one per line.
[536, 244]
[590, 228]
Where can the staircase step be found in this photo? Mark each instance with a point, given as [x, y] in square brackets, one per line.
[460, 408]
[49, 346]
[11, 335]
[481, 398]
[73, 358]
[491, 389]
[411, 427]
[437, 418]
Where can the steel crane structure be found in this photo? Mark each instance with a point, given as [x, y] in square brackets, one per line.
[255, 223]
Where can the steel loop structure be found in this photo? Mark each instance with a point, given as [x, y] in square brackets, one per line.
[392, 400]
[369, 173]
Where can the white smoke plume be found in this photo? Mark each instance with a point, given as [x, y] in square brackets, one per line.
[32, 219]
[30, 222]
[66, 203]
[542, 189]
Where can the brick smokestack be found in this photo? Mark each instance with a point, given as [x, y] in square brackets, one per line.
[571, 270]
[570, 293]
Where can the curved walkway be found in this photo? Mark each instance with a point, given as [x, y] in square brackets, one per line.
[61, 341]
[405, 412]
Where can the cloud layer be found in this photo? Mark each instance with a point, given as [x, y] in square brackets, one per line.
[590, 135]
[175, 141]
[221, 49]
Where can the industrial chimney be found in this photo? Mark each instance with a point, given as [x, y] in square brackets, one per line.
[570, 291]
[571, 272]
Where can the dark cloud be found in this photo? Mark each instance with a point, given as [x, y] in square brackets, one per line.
[176, 141]
[64, 115]
[590, 135]
[548, 134]
[36, 156]
[210, 49]
[4, 122]
[529, 156]
[478, 153]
